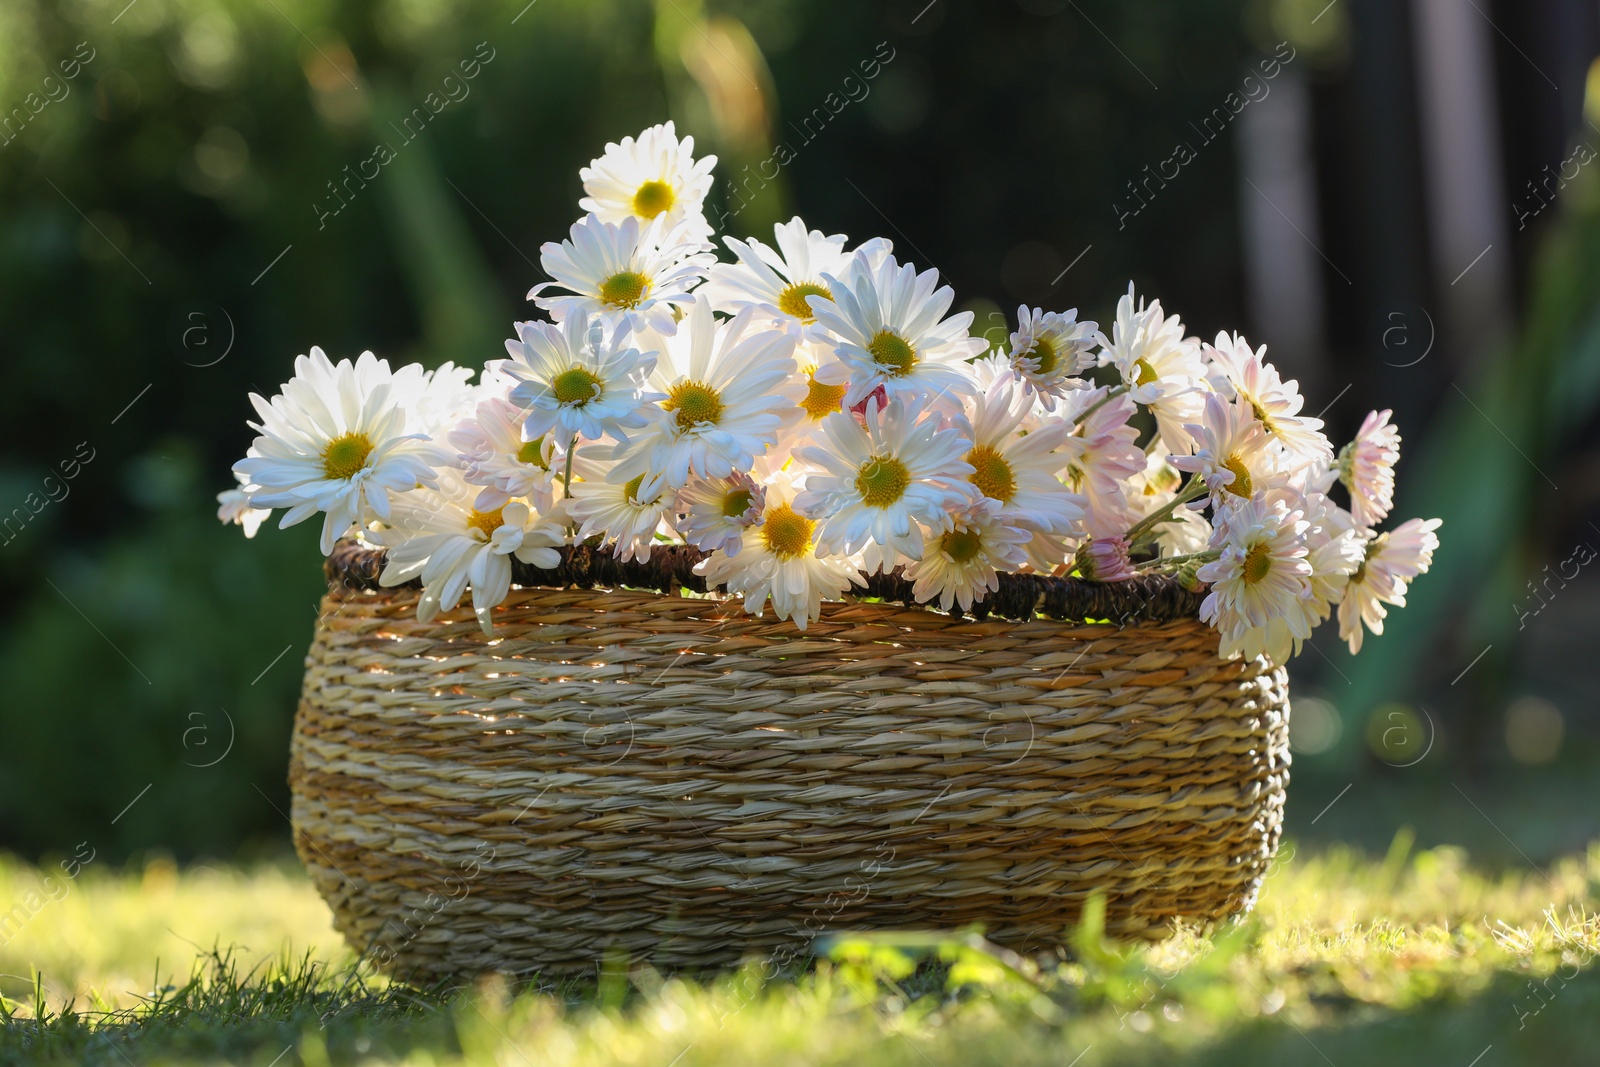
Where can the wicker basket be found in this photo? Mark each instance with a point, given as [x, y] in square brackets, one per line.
[666, 776]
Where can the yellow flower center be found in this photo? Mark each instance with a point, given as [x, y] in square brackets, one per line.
[532, 452]
[487, 521]
[792, 301]
[992, 474]
[346, 455]
[881, 481]
[1044, 351]
[1260, 413]
[1147, 373]
[694, 403]
[892, 352]
[786, 532]
[1257, 563]
[653, 198]
[1241, 485]
[631, 490]
[962, 545]
[624, 289]
[822, 399]
[736, 503]
[575, 387]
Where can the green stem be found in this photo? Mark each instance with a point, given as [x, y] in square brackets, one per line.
[1156, 566]
[566, 479]
[1192, 490]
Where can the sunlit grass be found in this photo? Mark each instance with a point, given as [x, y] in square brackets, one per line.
[107, 931]
[1396, 959]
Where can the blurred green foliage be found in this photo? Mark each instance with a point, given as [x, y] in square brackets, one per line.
[168, 243]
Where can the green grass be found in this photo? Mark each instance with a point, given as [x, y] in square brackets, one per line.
[1347, 960]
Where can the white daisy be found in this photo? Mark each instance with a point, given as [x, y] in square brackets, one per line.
[654, 176]
[961, 564]
[1109, 459]
[614, 511]
[1018, 471]
[1245, 373]
[495, 455]
[876, 482]
[1231, 451]
[445, 396]
[337, 440]
[780, 282]
[780, 559]
[889, 328]
[1260, 584]
[577, 381]
[1049, 350]
[620, 270]
[724, 402]
[439, 536]
[1392, 560]
[817, 389]
[233, 506]
[714, 513]
[1335, 549]
[1366, 467]
[1159, 367]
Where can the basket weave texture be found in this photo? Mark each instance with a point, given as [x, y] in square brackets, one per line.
[671, 778]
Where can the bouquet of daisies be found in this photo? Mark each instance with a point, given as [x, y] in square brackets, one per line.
[805, 413]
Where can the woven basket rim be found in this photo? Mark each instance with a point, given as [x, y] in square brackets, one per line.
[355, 566]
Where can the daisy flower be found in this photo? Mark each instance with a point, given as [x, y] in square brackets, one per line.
[1159, 367]
[616, 511]
[444, 397]
[1366, 468]
[779, 282]
[876, 481]
[654, 176]
[889, 329]
[1049, 349]
[1260, 583]
[233, 506]
[961, 564]
[575, 380]
[439, 536]
[724, 402]
[714, 513]
[642, 274]
[781, 559]
[1335, 549]
[1392, 560]
[1104, 559]
[1107, 461]
[1017, 471]
[1231, 451]
[817, 389]
[337, 440]
[1245, 373]
[494, 455]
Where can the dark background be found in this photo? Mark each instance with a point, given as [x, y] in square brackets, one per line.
[168, 243]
